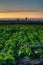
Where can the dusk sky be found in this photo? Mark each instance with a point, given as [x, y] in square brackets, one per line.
[21, 8]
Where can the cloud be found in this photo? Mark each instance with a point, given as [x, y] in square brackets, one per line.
[10, 10]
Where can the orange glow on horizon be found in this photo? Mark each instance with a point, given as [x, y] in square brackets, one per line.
[22, 15]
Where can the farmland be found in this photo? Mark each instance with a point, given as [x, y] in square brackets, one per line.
[15, 38]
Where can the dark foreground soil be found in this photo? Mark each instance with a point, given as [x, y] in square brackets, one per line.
[30, 62]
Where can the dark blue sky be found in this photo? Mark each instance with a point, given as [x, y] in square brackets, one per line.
[21, 4]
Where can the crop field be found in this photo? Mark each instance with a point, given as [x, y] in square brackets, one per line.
[14, 41]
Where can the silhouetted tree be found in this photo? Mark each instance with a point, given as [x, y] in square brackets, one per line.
[26, 18]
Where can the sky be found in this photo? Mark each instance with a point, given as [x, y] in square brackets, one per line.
[21, 8]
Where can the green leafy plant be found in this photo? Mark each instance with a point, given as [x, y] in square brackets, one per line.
[14, 40]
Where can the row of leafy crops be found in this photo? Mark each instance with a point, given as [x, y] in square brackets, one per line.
[14, 40]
